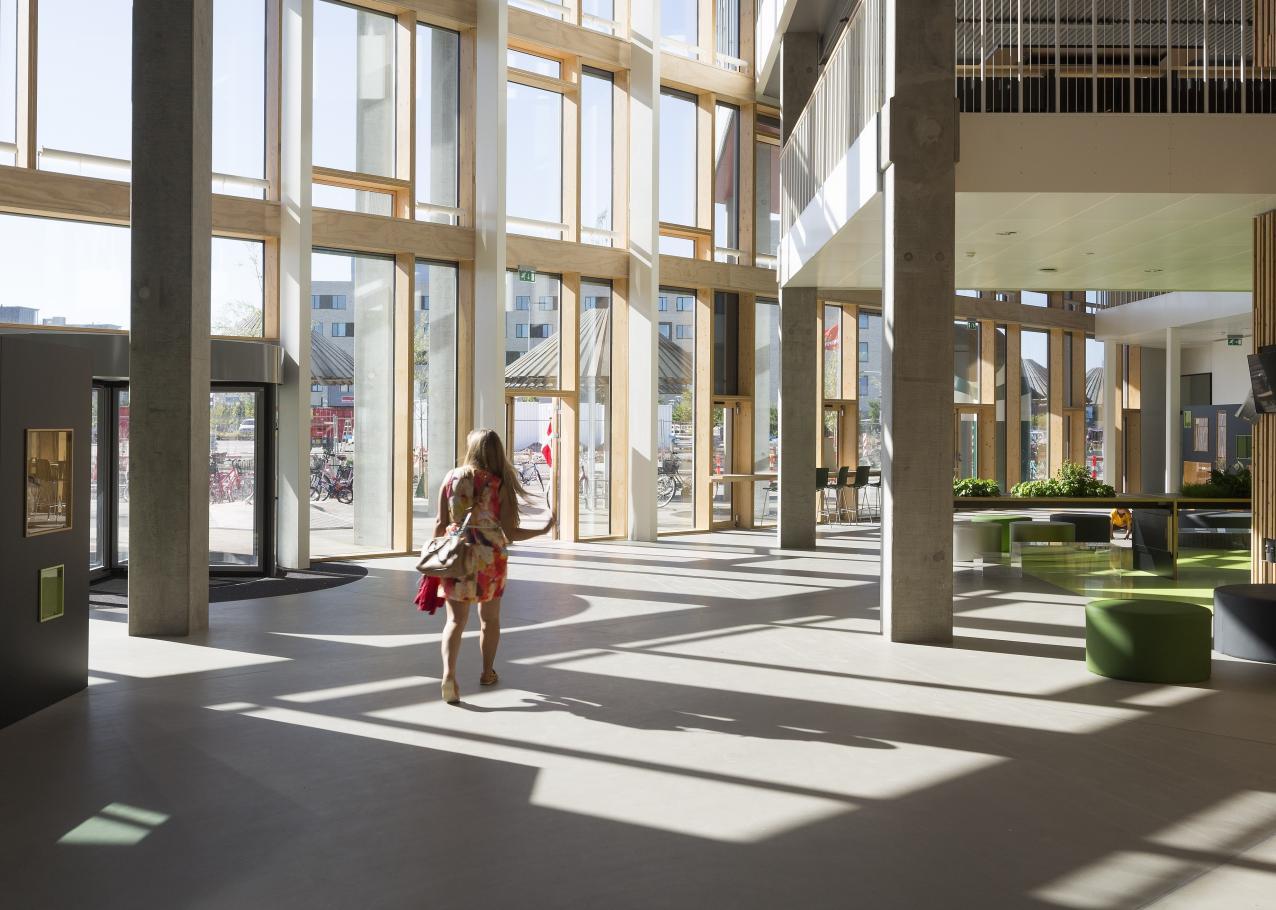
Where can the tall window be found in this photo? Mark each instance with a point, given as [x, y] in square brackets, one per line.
[438, 99]
[9, 82]
[999, 366]
[352, 418]
[766, 173]
[870, 388]
[91, 113]
[966, 362]
[434, 389]
[539, 326]
[239, 97]
[727, 25]
[595, 409]
[832, 352]
[1094, 367]
[534, 161]
[680, 26]
[354, 89]
[1034, 405]
[726, 184]
[595, 157]
[766, 407]
[677, 157]
[675, 479]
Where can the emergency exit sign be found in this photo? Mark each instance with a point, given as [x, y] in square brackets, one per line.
[1233, 341]
[526, 274]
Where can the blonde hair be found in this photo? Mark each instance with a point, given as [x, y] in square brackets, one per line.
[484, 451]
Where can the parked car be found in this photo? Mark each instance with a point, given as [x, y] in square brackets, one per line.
[248, 427]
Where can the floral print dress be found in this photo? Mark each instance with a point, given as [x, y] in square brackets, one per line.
[472, 487]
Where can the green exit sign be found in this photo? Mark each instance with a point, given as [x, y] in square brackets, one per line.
[1233, 341]
[972, 324]
[526, 274]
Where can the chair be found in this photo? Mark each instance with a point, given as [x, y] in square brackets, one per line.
[859, 485]
[821, 493]
[771, 497]
[875, 487]
[839, 490]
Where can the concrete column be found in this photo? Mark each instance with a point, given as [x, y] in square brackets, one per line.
[799, 70]
[919, 136]
[1111, 404]
[168, 344]
[644, 266]
[489, 215]
[292, 526]
[800, 338]
[1173, 415]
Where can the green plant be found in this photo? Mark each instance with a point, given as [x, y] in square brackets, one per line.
[975, 486]
[1223, 485]
[1073, 481]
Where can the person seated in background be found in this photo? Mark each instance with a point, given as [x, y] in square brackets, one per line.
[1121, 521]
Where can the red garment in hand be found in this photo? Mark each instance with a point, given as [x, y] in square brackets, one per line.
[427, 595]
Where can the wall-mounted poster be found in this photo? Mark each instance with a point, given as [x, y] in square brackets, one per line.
[48, 480]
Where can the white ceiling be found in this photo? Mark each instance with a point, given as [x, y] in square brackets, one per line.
[1108, 241]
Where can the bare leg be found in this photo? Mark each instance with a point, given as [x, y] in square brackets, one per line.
[489, 637]
[458, 615]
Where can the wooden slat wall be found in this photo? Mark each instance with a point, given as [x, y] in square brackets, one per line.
[1264, 35]
[1264, 461]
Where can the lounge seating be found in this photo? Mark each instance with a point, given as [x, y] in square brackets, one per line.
[975, 541]
[1155, 641]
[1004, 522]
[1042, 532]
[1245, 621]
[1092, 527]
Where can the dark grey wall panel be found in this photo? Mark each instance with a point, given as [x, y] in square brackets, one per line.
[42, 386]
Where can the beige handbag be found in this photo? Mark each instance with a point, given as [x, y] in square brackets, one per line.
[449, 556]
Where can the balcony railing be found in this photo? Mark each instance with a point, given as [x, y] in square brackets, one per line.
[1048, 56]
[850, 91]
[1114, 56]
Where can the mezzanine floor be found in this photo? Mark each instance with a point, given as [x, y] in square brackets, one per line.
[705, 722]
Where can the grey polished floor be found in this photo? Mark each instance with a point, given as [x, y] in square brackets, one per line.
[705, 722]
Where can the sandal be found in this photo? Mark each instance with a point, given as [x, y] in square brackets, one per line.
[490, 678]
[451, 694]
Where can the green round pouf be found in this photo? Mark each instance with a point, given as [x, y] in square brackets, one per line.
[1005, 522]
[1155, 641]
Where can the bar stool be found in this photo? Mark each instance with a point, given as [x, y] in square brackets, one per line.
[858, 486]
[839, 487]
[821, 493]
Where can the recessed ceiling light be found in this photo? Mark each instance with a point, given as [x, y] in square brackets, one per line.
[1153, 270]
[1048, 269]
[1006, 233]
[970, 254]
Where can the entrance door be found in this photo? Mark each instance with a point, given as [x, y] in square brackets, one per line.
[966, 443]
[532, 436]
[726, 423]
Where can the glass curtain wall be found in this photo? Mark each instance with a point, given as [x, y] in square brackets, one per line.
[354, 101]
[1034, 405]
[72, 273]
[726, 382]
[766, 408]
[869, 358]
[1094, 406]
[680, 26]
[352, 406]
[596, 155]
[594, 486]
[433, 390]
[532, 378]
[675, 482]
[726, 184]
[727, 26]
[766, 190]
[438, 105]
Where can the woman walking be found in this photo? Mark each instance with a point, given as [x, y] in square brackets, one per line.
[487, 488]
